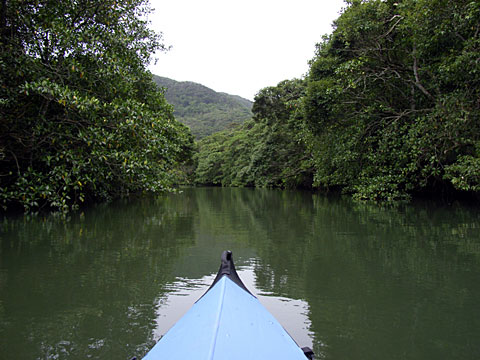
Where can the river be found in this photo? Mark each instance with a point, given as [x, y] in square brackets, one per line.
[355, 281]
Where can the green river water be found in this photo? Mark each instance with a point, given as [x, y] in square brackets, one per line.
[355, 281]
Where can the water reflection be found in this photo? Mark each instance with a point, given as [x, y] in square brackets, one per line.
[356, 281]
[85, 288]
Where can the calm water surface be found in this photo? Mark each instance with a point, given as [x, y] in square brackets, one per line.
[354, 281]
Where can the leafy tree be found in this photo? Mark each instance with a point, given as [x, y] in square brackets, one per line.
[392, 99]
[281, 159]
[80, 116]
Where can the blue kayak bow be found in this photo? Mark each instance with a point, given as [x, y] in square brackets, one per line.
[227, 323]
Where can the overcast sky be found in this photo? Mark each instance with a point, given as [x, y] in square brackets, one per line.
[240, 47]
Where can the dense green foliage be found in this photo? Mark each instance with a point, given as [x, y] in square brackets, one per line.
[204, 110]
[390, 107]
[264, 152]
[392, 99]
[80, 117]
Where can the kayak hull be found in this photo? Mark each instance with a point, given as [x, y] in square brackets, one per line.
[227, 323]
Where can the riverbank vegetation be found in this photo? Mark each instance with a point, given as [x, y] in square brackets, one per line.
[389, 109]
[81, 118]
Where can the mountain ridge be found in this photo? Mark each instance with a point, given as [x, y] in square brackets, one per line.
[204, 110]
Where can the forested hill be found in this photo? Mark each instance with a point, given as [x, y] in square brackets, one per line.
[202, 109]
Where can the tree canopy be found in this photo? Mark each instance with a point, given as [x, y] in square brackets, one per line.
[392, 99]
[81, 118]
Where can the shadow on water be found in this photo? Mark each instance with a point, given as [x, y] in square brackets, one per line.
[374, 282]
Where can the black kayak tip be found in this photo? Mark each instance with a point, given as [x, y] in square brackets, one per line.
[227, 263]
[227, 268]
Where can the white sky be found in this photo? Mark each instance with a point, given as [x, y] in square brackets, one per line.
[240, 47]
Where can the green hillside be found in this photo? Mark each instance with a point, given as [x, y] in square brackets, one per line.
[202, 109]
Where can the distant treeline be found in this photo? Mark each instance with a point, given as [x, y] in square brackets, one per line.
[389, 109]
